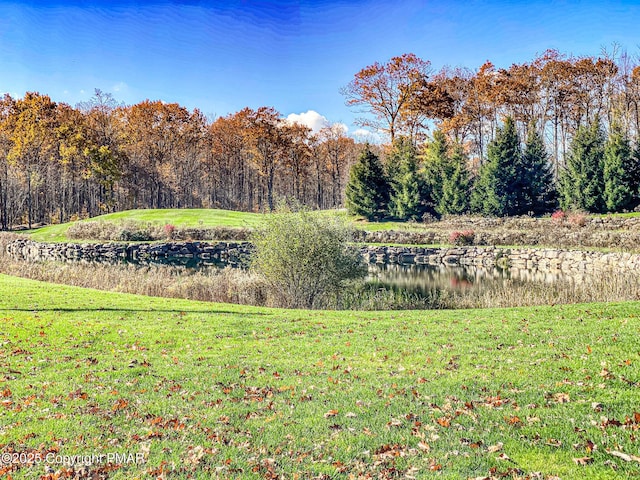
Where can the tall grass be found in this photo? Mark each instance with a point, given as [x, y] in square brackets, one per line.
[241, 287]
[606, 287]
[129, 230]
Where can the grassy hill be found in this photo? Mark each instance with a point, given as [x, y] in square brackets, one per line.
[576, 231]
[223, 391]
[194, 217]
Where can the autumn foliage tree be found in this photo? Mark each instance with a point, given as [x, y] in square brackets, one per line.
[33, 143]
[386, 90]
[59, 162]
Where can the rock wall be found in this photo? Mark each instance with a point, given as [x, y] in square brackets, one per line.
[221, 253]
[543, 259]
[235, 253]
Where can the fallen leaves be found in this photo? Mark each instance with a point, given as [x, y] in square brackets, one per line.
[561, 397]
[444, 422]
[425, 447]
[624, 456]
[514, 421]
[120, 404]
[495, 448]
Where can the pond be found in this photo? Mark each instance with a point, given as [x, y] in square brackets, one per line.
[419, 280]
[422, 279]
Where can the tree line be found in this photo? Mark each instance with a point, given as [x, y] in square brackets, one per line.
[602, 174]
[59, 162]
[558, 130]
[556, 92]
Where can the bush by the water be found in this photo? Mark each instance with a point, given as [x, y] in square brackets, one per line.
[305, 257]
[462, 238]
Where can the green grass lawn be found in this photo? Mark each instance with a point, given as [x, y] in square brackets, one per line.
[195, 217]
[223, 391]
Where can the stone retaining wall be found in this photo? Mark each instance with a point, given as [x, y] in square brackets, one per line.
[234, 253]
[223, 253]
[552, 260]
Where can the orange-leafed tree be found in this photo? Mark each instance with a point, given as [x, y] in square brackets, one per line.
[229, 171]
[297, 156]
[32, 123]
[339, 153]
[385, 91]
[6, 106]
[157, 137]
[266, 141]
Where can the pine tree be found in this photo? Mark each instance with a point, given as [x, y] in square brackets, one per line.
[582, 180]
[497, 189]
[538, 186]
[618, 165]
[455, 185]
[437, 166]
[367, 192]
[634, 175]
[408, 188]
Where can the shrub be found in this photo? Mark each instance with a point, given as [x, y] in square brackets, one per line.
[462, 238]
[577, 219]
[559, 216]
[138, 231]
[169, 231]
[305, 257]
[127, 235]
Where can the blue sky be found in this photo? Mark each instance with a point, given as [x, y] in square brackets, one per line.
[221, 56]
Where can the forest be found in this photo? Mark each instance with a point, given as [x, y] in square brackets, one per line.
[558, 130]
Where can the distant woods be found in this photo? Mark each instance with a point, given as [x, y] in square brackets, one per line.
[58, 162]
[556, 131]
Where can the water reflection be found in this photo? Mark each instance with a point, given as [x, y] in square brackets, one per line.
[421, 279]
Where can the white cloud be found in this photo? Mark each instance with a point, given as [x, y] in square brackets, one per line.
[119, 87]
[310, 118]
[364, 135]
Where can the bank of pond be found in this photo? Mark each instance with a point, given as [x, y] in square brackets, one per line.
[398, 276]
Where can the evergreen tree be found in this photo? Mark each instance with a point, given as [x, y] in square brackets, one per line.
[634, 175]
[407, 186]
[497, 190]
[582, 180]
[456, 185]
[619, 191]
[367, 192]
[437, 166]
[538, 187]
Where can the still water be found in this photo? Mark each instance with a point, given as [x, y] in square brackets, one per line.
[421, 279]
[413, 279]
